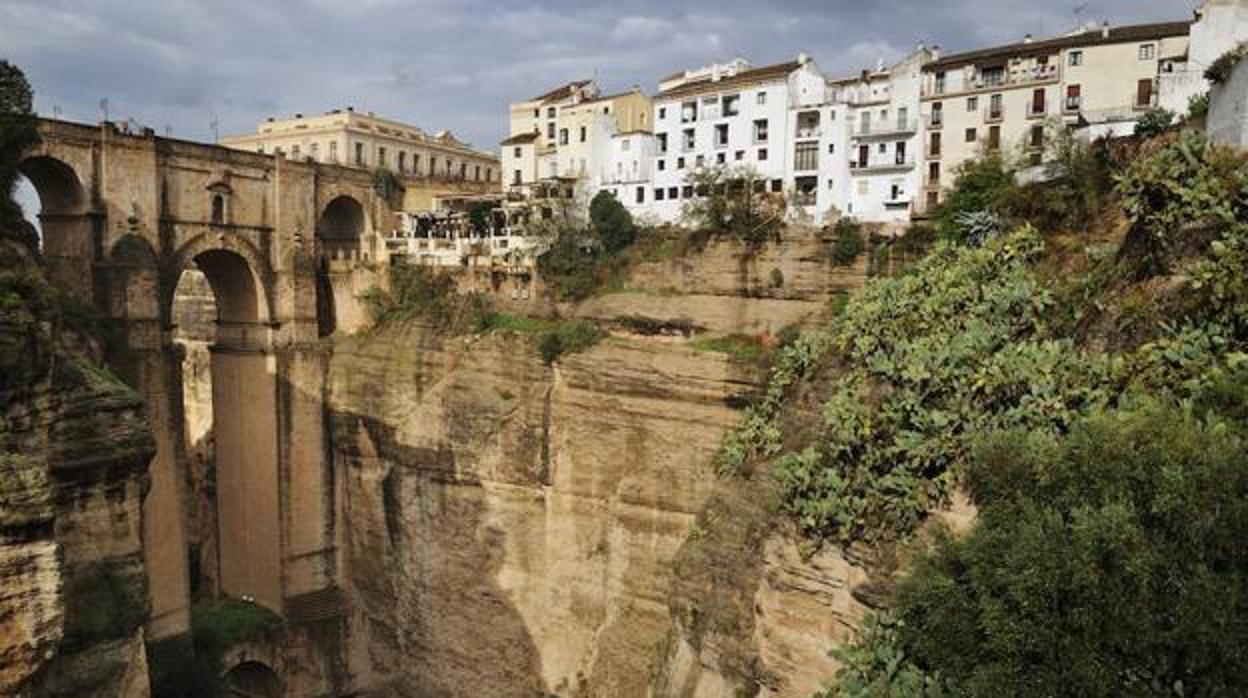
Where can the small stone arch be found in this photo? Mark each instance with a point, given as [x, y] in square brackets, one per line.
[251, 679]
[134, 279]
[341, 227]
[67, 234]
[219, 199]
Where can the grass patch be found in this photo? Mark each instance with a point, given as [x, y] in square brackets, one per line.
[553, 337]
[738, 347]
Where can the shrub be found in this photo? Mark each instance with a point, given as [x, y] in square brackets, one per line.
[738, 347]
[735, 202]
[980, 185]
[1154, 122]
[1220, 70]
[1111, 562]
[1178, 182]
[18, 132]
[849, 241]
[611, 222]
[1198, 107]
[103, 601]
[776, 277]
[568, 337]
[388, 186]
[418, 292]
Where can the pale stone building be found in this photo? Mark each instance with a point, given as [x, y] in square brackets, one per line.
[430, 164]
[566, 135]
[998, 100]
[1220, 26]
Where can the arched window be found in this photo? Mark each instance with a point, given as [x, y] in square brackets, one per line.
[218, 209]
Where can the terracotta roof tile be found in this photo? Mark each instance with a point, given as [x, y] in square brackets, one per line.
[745, 77]
[1094, 37]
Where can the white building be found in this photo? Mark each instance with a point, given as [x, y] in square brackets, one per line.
[1220, 26]
[728, 115]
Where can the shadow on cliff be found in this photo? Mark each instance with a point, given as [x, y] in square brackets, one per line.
[423, 563]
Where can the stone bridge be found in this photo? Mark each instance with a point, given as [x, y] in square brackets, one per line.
[286, 247]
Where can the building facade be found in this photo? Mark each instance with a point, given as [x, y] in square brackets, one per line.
[999, 100]
[429, 164]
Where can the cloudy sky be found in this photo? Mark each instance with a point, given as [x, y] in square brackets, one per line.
[457, 63]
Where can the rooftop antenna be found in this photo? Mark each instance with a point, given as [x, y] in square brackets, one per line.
[104, 107]
[212, 125]
[56, 111]
[1079, 10]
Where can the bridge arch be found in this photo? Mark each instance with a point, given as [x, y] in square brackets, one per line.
[242, 387]
[67, 235]
[251, 679]
[341, 228]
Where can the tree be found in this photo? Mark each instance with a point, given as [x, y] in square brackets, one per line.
[18, 132]
[1112, 561]
[611, 223]
[735, 202]
[981, 185]
[1154, 122]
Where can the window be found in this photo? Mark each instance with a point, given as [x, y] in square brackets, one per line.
[994, 138]
[463, 170]
[563, 136]
[760, 98]
[882, 148]
[1075, 58]
[315, 151]
[662, 115]
[658, 193]
[721, 158]
[550, 131]
[721, 135]
[731, 105]
[971, 135]
[1037, 136]
[933, 173]
[940, 82]
[550, 112]
[699, 161]
[938, 114]
[1072, 98]
[806, 156]
[626, 144]
[218, 209]
[996, 107]
[832, 115]
[686, 191]
[689, 111]
[416, 163]
[403, 161]
[762, 154]
[864, 156]
[760, 130]
[294, 152]
[972, 103]
[680, 163]
[1144, 92]
[662, 142]
[583, 134]
[804, 190]
[516, 152]
[934, 151]
[777, 186]
[641, 195]
[1038, 102]
[662, 164]
[381, 156]
[894, 192]
[687, 140]
[476, 173]
[739, 155]
[489, 174]
[359, 153]
[515, 177]
[433, 166]
[831, 148]
[333, 151]
[899, 153]
[1148, 52]
[672, 193]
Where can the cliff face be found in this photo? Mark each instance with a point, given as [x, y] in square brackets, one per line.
[513, 529]
[74, 448]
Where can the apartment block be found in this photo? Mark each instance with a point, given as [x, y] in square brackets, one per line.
[999, 100]
[567, 135]
[354, 139]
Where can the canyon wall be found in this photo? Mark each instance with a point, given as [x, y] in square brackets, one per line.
[75, 449]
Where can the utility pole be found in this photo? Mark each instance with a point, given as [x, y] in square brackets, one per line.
[216, 135]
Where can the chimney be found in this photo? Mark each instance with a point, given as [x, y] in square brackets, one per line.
[351, 109]
[1105, 29]
[936, 52]
[1027, 38]
[298, 116]
[803, 58]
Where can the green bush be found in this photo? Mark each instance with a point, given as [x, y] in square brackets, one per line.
[18, 132]
[979, 185]
[738, 347]
[735, 203]
[417, 292]
[104, 601]
[1154, 122]
[191, 667]
[1111, 562]
[568, 337]
[1220, 70]
[1198, 107]
[849, 241]
[611, 223]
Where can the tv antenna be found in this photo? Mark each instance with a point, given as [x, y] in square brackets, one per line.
[212, 125]
[1079, 10]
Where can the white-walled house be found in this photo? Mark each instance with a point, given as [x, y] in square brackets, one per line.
[730, 115]
[1220, 26]
[628, 169]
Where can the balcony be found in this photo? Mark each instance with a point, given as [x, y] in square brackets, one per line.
[994, 114]
[1073, 103]
[1037, 111]
[806, 134]
[936, 120]
[1012, 77]
[898, 127]
[893, 164]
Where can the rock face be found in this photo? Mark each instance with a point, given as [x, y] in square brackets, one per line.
[512, 525]
[74, 448]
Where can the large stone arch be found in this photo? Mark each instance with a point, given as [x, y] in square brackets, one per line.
[342, 225]
[68, 235]
[244, 412]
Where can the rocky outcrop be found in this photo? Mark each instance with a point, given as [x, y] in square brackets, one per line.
[512, 525]
[74, 448]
